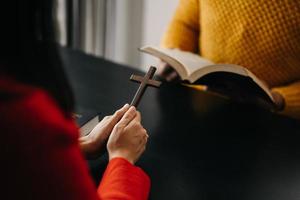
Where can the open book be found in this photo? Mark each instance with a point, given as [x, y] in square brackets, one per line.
[228, 79]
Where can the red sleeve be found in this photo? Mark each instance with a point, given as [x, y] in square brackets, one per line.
[42, 158]
[122, 180]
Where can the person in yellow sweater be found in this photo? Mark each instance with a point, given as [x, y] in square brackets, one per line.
[263, 36]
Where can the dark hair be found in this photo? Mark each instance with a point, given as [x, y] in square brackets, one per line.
[28, 50]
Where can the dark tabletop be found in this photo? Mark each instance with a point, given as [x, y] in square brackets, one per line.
[201, 146]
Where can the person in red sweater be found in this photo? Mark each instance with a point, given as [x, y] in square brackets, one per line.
[41, 154]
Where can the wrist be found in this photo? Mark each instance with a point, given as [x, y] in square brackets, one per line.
[122, 155]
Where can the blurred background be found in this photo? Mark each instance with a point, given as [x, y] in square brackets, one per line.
[114, 29]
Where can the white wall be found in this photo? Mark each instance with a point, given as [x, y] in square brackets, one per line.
[128, 29]
[156, 16]
[138, 23]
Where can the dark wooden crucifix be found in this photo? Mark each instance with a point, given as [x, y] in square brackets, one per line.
[145, 82]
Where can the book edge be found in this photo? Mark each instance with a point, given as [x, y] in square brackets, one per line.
[176, 64]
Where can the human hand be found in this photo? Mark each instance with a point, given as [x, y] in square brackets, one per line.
[93, 144]
[279, 101]
[128, 138]
[167, 72]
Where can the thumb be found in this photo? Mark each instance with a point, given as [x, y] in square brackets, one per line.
[127, 117]
[136, 119]
[119, 114]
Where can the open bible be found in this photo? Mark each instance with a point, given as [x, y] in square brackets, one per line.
[227, 79]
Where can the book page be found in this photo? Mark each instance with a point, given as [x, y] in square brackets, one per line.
[190, 61]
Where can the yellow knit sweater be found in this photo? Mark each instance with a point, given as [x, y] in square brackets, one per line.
[262, 35]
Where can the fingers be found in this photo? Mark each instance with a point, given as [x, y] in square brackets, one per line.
[142, 145]
[143, 139]
[164, 69]
[136, 120]
[128, 117]
[167, 72]
[119, 114]
[128, 138]
[94, 143]
[279, 101]
[172, 76]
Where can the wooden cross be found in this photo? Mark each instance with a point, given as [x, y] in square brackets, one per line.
[145, 82]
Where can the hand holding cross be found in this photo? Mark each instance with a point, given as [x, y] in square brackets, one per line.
[145, 82]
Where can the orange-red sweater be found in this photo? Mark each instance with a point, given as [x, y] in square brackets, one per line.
[40, 157]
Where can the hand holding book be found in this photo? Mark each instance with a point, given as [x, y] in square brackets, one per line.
[230, 80]
[167, 72]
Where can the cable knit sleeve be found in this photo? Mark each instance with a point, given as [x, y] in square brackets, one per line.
[122, 180]
[291, 95]
[183, 31]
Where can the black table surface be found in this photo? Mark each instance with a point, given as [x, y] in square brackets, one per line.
[201, 146]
